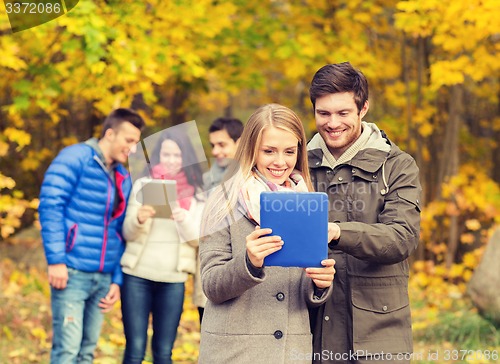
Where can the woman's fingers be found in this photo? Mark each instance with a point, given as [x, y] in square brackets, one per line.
[272, 245]
[256, 238]
[145, 212]
[258, 232]
[260, 245]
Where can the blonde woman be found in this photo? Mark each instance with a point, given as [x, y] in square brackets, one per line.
[254, 313]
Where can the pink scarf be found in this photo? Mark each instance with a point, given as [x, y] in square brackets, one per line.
[185, 191]
[256, 184]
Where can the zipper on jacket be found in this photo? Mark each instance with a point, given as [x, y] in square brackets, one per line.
[106, 224]
[107, 217]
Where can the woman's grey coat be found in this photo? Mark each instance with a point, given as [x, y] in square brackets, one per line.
[252, 319]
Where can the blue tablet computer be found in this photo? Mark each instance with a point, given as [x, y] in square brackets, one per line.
[301, 219]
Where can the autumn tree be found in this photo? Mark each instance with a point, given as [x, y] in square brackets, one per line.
[432, 66]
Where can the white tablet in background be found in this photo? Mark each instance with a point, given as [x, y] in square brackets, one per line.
[161, 194]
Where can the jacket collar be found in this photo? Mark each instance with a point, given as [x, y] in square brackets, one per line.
[94, 144]
[369, 159]
[99, 158]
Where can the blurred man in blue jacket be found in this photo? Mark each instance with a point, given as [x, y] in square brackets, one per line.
[82, 207]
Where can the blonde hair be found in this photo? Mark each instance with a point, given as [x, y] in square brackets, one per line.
[223, 200]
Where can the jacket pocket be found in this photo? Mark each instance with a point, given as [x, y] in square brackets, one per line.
[382, 319]
[410, 195]
[71, 237]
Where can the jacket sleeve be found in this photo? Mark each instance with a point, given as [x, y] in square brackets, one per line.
[117, 272]
[308, 288]
[189, 228]
[224, 276]
[58, 185]
[396, 234]
[132, 229]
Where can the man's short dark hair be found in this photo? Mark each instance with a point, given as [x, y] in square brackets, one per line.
[121, 115]
[233, 126]
[339, 77]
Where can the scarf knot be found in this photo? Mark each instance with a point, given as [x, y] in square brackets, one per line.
[257, 183]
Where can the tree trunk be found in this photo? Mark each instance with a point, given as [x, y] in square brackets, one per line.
[413, 140]
[178, 105]
[496, 151]
[228, 110]
[450, 162]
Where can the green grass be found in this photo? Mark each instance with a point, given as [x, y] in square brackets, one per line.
[457, 337]
[469, 329]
